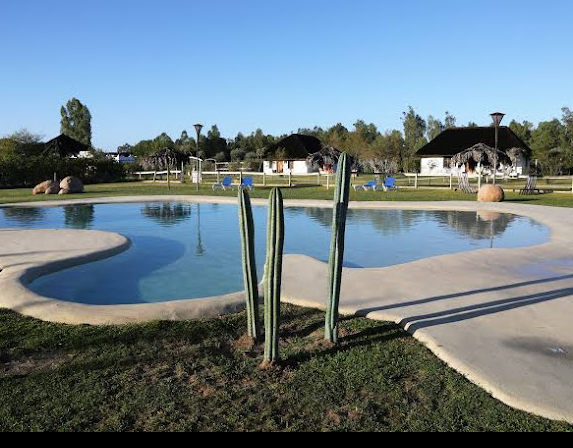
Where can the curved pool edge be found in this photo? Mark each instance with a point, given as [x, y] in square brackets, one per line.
[31, 254]
[492, 319]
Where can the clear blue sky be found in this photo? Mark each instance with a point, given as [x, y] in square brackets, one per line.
[148, 66]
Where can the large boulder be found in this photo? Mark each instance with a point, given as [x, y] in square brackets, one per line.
[44, 186]
[71, 185]
[491, 193]
[53, 189]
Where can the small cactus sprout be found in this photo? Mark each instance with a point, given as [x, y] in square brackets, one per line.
[247, 230]
[341, 200]
[273, 276]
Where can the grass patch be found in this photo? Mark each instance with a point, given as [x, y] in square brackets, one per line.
[298, 192]
[194, 376]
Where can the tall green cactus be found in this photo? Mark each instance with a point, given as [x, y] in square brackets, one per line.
[341, 200]
[273, 275]
[247, 227]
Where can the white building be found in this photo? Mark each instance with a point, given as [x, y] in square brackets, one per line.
[286, 167]
[289, 156]
[437, 155]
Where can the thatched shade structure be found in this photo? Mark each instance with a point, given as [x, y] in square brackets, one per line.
[164, 159]
[326, 159]
[64, 146]
[485, 155]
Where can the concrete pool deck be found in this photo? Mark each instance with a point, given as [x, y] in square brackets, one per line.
[501, 317]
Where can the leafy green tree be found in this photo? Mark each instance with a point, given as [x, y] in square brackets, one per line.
[77, 122]
[435, 127]
[451, 121]
[388, 152]
[213, 143]
[25, 137]
[415, 128]
[550, 148]
[523, 130]
[186, 144]
[568, 123]
[221, 157]
[367, 133]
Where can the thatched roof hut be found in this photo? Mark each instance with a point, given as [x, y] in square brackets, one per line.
[456, 140]
[294, 147]
[64, 146]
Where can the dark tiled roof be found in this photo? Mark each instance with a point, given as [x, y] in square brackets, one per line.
[455, 140]
[296, 147]
[64, 146]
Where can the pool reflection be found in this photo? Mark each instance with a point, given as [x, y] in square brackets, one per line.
[167, 214]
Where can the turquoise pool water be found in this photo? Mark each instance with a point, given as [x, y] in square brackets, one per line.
[185, 251]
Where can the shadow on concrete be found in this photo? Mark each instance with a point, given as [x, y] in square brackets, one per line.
[414, 323]
[366, 311]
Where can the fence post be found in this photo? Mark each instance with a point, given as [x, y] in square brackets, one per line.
[264, 179]
[416, 184]
[451, 181]
[218, 178]
[318, 179]
[290, 179]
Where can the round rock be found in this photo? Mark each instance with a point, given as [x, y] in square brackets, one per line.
[44, 186]
[491, 193]
[72, 185]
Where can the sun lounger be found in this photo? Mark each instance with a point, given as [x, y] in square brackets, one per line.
[227, 184]
[248, 183]
[370, 186]
[530, 187]
[390, 184]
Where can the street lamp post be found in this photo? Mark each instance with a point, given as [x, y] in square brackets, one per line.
[198, 129]
[497, 119]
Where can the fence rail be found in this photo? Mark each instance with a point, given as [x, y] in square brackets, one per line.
[405, 181]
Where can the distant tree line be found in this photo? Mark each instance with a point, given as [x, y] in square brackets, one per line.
[381, 151]
[389, 151]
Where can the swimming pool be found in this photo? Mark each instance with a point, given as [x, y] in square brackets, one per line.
[183, 251]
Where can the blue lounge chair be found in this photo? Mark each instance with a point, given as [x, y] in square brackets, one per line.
[366, 187]
[390, 184]
[227, 184]
[248, 183]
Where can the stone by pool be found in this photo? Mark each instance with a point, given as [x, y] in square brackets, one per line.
[186, 251]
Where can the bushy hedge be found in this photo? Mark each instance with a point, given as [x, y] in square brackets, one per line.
[28, 171]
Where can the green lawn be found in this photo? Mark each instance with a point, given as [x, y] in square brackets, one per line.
[198, 376]
[195, 376]
[299, 192]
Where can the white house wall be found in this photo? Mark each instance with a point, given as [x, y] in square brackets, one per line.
[298, 167]
[435, 166]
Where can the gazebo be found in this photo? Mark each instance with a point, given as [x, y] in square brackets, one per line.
[482, 155]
